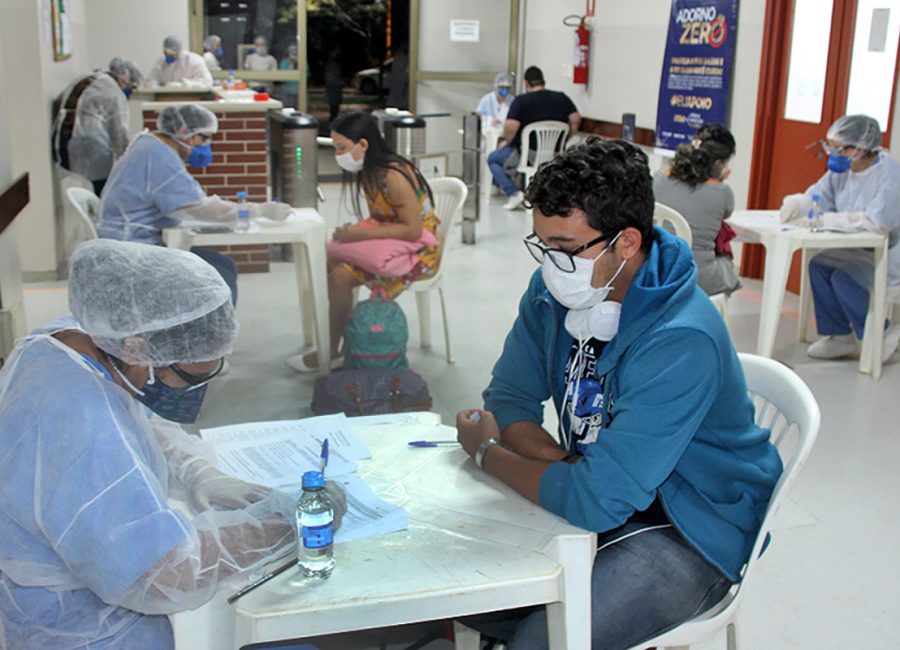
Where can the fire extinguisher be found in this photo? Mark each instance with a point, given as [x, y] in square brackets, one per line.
[582, 52]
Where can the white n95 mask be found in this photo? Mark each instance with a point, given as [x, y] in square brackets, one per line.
[600, 322]
[574, 290]
[346, 162]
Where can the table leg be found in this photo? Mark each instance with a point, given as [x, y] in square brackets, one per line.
[805, 297]
[778, 262]
[568, 621]
[307, 304]
[873, 336]
[317, 269]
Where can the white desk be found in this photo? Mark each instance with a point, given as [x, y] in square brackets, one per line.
[473, 546]
[306, 232]
[781, 241]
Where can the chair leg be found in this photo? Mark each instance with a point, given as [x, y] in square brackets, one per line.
[732, 635]
[466, 637]
[446, 326]
[423, 303]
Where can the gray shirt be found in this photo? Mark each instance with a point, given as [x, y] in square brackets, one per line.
[704, 207]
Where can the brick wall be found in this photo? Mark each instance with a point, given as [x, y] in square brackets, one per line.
[239, 163]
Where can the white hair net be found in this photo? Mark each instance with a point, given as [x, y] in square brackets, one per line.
[150, 305]
[860, 131]
[211, 42]
[125, 71]
[192, 118]
[172, 44]
[503, 79]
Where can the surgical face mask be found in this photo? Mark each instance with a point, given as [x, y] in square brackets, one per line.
[127, 91]
[261, 50]
[219, 52]
[170, 58]
[346, 162]
[175, 404]
[838, 163]
[201, 155]
[573, 290]
[503, 92]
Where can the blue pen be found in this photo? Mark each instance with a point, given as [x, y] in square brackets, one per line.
[432, 443]
[324, 455]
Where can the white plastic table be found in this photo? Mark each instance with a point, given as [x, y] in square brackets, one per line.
[305, 230]
[473, 545]
[781, 241]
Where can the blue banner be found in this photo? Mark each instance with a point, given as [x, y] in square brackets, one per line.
[696, 74]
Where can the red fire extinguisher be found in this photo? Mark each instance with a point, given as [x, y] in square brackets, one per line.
[582, 52]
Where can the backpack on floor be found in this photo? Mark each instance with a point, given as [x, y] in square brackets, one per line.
[376, 334]
[370, 391]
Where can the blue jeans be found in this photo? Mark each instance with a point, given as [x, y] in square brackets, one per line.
[640, 587]
[224, 265]
[840, 281]
[496, 160]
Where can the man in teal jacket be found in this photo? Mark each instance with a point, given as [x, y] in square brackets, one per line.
[658, 451]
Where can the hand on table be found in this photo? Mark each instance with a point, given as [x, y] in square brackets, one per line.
[213, 488]
[471, 434]
[794, 208]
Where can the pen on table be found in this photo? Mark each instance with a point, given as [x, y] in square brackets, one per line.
[253, 585]
[432, 443]
[324, 455]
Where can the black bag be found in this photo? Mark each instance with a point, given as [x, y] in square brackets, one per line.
[371, 391]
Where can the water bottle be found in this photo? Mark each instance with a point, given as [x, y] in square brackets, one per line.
[315, 528]
[243, 224]
[230, 83]
[814, 216]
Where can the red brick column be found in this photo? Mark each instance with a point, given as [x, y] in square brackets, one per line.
[239, 164]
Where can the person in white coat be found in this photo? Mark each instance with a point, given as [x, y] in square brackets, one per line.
[859, 192]
[212, 52]
[179, 67]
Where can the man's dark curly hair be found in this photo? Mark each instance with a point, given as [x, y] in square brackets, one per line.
[608, 179]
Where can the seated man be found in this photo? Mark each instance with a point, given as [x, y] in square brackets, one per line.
[535, 105]
[659, 452]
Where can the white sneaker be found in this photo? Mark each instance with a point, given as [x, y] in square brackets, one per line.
[889, 344]
[297, 363]
[833, 347]
[514, 202]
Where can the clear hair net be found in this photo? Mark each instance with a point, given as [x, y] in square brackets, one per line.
[125, 71]
[172, 44]
[860, 131]
[211, 42]
[190, 117]
[150, 305]
[503, 79]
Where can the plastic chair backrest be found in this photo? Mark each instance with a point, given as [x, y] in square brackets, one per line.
[550, 136]
[663, 214]
[449, 196]
[87, 206]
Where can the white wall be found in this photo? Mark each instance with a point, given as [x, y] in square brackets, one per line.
[627, 47]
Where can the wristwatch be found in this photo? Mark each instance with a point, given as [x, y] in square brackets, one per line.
[482, 450]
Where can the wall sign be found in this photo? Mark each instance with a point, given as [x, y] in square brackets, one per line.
[695, 86]
[465, 31]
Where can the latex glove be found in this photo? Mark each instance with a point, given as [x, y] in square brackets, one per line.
[273, 210]
[210, 487]
[338, 500]
[850, 222]
[794, 207]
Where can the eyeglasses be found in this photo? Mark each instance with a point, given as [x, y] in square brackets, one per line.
[196, 381]
[563, 260]
[841, 151]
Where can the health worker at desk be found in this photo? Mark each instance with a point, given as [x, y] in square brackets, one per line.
[150, 188]
[179, 67]
[91, 554]
[859, 192]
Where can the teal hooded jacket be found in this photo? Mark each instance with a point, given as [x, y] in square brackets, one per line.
[679, 424]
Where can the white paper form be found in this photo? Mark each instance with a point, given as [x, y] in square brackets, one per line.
[277, 453]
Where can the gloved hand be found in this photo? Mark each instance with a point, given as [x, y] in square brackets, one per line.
[794, 207]
[338, 501]
[210, 487]
[273, 210]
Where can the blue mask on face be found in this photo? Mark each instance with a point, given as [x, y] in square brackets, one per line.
[175, 404]
[219, 52]
[127, 91]
[503, 92]
[838, 163]
[201, 155]
[170, 58]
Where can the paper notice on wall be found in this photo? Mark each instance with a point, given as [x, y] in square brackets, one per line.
[465, 31]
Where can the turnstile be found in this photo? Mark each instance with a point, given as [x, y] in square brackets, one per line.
[293, 157]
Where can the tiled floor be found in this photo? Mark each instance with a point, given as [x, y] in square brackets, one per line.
[831, 577]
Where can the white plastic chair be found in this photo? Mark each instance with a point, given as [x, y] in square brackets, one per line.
[449, 196]
[785, 405]
[87, 207]
[550, 136]
[664, 215]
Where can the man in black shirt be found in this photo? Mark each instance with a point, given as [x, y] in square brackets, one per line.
[536, 104]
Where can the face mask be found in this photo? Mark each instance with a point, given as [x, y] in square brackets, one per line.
[574, 290]
[127, 91]
[346, 162]
[838, 163]
[503, 92]
[201, 155]
[261, 50]
[175, 404]
[170, 58]
[600, 322]
[219, 52]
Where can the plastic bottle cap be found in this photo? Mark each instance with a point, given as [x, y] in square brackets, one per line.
[313, 479]
[816, 197]
[242, 195]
